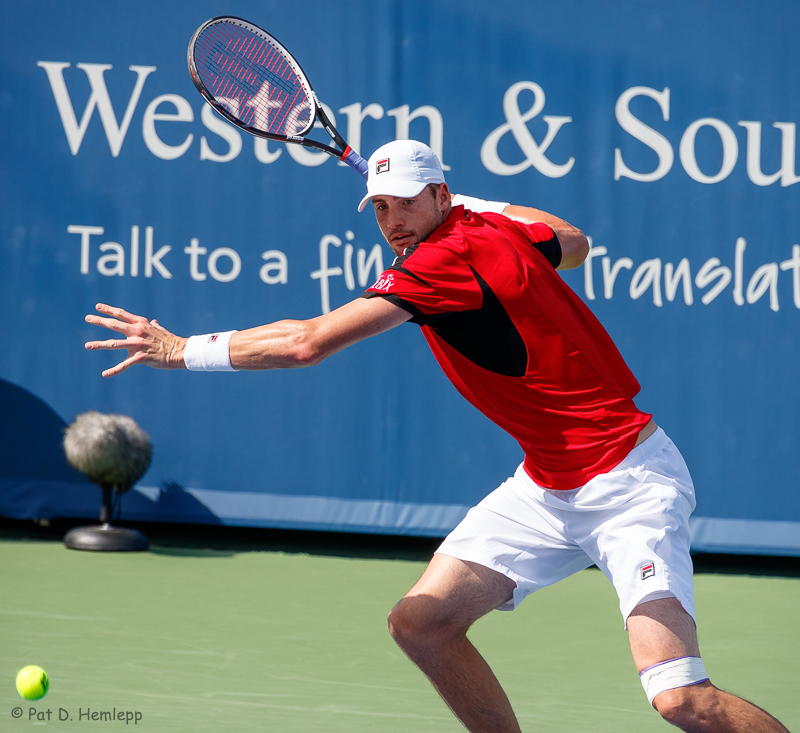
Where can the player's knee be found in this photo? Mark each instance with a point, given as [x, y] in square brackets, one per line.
[408, 623]
[416, 623]
[687, 706]
[675, 706]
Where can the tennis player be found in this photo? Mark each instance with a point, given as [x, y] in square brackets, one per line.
[600, 482]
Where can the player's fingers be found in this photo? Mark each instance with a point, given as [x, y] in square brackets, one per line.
[111, 344]
[155, 323]
[123, 365]
[111, 323]
[123, 315]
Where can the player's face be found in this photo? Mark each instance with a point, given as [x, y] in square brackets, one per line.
[405, 222]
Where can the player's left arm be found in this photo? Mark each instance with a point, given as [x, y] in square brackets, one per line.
[574, 245]
[280, 345]
[288, 344]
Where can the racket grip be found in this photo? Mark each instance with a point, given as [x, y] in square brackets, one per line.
[355, 161]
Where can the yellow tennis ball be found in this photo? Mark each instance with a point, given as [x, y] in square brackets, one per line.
[32, 682]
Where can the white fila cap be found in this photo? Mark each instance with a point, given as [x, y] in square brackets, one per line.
[401, 168]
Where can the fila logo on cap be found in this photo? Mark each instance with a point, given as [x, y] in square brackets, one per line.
[382, 166]
[648, 571]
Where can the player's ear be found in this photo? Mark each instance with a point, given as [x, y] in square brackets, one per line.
[443, 196]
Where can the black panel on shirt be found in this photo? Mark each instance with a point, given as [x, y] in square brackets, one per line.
[486, 336]
[551, 249]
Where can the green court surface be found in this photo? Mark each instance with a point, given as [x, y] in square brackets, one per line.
[198, 639]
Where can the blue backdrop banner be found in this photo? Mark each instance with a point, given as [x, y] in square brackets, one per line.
[666, 131]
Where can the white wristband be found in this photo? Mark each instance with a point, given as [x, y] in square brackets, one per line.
[479, 206]
[209, 352]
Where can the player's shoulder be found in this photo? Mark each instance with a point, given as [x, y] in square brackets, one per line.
[470, 221]
[448, 237]
[534, 232]
[489, 226]
[463, 223]
[448, 249]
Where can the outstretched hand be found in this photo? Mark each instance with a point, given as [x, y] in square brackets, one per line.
[147, 342]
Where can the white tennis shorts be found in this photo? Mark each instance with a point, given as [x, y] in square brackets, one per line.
[632, 522]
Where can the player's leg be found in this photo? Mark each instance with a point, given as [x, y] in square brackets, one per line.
[430, 625]
[634, 523]
[504, 549]
[662, 631]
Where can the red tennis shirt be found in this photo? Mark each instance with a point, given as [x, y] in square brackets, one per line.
[519, 344]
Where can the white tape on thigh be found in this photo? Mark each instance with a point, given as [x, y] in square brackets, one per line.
[209, 352]
[681, 672]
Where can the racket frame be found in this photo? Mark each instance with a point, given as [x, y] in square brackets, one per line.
[317, 112]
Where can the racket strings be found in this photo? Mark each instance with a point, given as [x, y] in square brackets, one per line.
[253, 78]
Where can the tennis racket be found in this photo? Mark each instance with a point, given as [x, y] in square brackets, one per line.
[255, 83]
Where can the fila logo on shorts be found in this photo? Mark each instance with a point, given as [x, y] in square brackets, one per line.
[382, 166]
[648, 571]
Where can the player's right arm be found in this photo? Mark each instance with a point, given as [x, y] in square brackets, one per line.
[280, 345]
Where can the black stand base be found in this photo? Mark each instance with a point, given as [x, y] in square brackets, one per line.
[105, 538]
